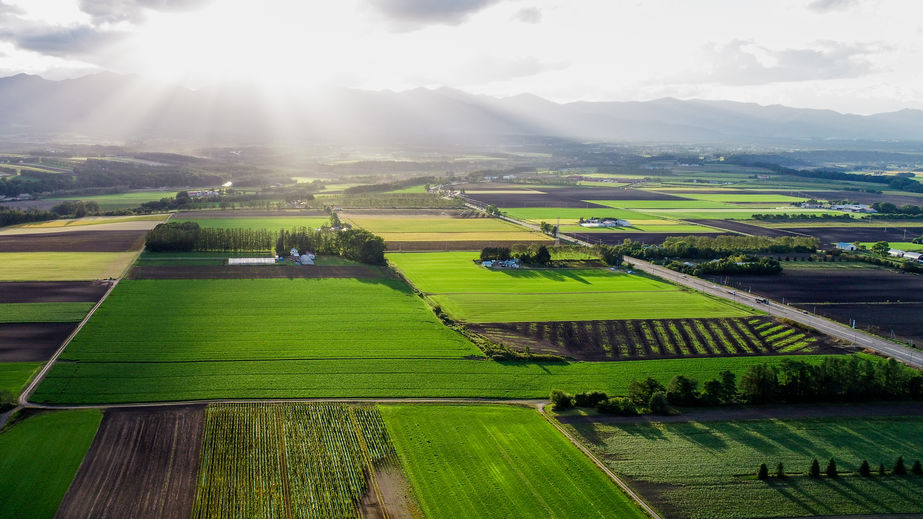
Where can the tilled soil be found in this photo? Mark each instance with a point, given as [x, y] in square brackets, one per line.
[565, 196]
[735, 226]
[831, 235]
[32, 342]
[51, 291]
[143, 463]
[73, 241]
[251, 272]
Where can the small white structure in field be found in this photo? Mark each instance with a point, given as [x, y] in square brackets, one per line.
[307, 258]
[605, 222]
[845, 246]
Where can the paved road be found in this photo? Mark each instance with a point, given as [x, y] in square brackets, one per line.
[904, 354]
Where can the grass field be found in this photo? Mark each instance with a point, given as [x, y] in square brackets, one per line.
[747, 198]
[900, 245]
[442, 228]
[43, 312]
[572, 214]
[122, 200]
[38, 459]
[661, 204]
[707, 469]
[274, 224]
[15, 375]
[263, 319]
[476, 294]
[89, 222]
[498, 462]
[100, 382]
[62, 266]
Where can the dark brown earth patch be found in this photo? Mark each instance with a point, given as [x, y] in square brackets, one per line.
[252, 272]
[73, 241]
[32, 342]
[389, 496]
[653, 338]
[143, 463]
[562, 196]
[51, 291]
[745, 228]
[831, 235]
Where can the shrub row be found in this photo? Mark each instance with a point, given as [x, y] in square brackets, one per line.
[831, 471]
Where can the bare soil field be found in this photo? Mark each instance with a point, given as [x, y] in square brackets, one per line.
[252, 272]
[880, 300]
[31, 342]
[610, 238]
[567, 197]
[867, 198]
[736, 226]
[657, 338]
[831, 235]
[51, 291]
[73, 241]
[423, 246]
[143, 463]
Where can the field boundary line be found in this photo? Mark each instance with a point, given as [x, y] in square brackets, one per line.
[589, 454]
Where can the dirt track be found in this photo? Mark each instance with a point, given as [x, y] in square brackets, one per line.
[73, 241]
[51, 291]
[143, 463]
[31, 342]
[252, 272]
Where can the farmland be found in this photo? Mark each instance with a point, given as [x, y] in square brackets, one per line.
[73, 241]
[38, 459]
[294, 460]
[62, 266]
[476, 294]
[142, 463]
[15, 375]
[117, 382]
[273, 224]
[125, 200]
[409, 229]
[706, 469]
[43, 312]
[31, 342]
[498, 461]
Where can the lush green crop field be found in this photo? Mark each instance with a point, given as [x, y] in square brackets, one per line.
[38, 459]
[262, 319]
[498, 461]
[62, 266]
[662, 204]
[122, 200]
[550, 214]
[707, 469]
[282, 222]
[43, 312]
[443, 228]
[477, 294]
[748, 198]
[900, 245]
[15, 375]
[99, 382]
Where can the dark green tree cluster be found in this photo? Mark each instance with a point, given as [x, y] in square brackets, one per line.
[173, 237]
[528, 255]
[892, 209]
[839, 217]
[76, 208]
[708, 247]
[743, 264]
[549, 229]
[11, 216]
[594, 399]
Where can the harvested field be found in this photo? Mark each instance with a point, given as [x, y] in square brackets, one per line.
[31, 342]
[51, 291]
[745, 228]
[143, 463]
[867, 198]
[830, 235]
[880, 300]
[63, 266]
[251, 272]
[73, 241]
[664, 338]
[245, 213]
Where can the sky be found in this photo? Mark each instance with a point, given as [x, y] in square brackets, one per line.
[855, 56]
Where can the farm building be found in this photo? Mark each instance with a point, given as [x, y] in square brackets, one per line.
[251, 261]
[845, 246]
[605, 222]
[897, 253]
[853, 208]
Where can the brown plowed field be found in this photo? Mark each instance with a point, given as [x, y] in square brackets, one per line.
[73, 241]
[32, 342]
[830, 235]
[657, 338]
[143, 463]
[735, 226]
[51, 291]
[564, 196]
[417, 246]
[611, 238]
[251, 272]
[880, 300]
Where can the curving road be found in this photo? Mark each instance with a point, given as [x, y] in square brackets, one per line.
[861, 339]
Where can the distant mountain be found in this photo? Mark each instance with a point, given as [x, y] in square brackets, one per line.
[116, 108]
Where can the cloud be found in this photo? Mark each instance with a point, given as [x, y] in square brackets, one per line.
[528, 15]
[825, 6]
[79, 41]
[114, 11]
[742, 62]
[415, 13]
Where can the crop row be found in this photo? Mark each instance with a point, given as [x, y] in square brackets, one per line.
[289, 460]
[627, 339]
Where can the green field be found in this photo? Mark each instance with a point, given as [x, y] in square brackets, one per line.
[498, 462]
[707, 469]
[43, 312]
[113, 382]
[900, 245]
[263, 319]
[15, 375]
[273, 224]
[477, 294]
[550, 214]
[39, 458]
[430, 224]
[127, 200]
[748, 198]
[661, 204]
[63, 266]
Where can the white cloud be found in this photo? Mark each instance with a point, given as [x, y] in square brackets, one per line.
[528, 15]
[824, 6]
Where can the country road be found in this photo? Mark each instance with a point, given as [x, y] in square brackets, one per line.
[861, 339]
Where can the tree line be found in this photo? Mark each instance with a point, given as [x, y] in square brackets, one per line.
[743, 264]
[712, 247]
[528, 255]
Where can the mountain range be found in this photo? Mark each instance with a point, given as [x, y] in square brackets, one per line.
[125, 108]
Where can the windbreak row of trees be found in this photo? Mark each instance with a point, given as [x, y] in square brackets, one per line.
[839, 217]
[529, 255]
[743, 264]
[12, 216]
[389, 186]
[708, 247]
[355, 244]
